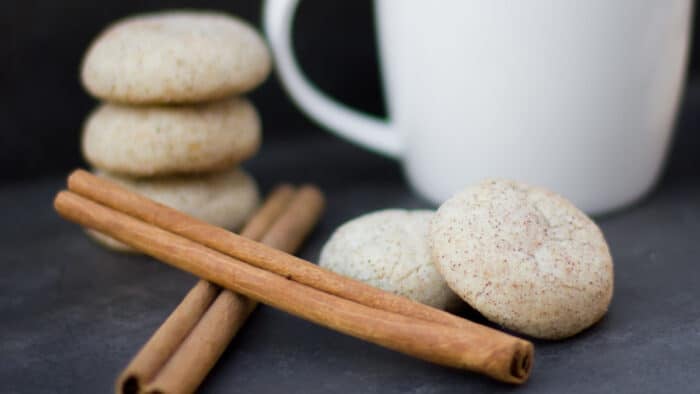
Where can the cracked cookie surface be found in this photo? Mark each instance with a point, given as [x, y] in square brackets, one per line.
[525, 257]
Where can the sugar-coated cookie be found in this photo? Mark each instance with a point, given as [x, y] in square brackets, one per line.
[160, 140]
[175, 57]
[225, 199]
[525, 257]
[389, 250]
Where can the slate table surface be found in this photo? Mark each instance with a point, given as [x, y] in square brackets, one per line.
[72, 314]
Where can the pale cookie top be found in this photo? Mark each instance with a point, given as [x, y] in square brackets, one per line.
[175, 57]
[524, 257]
[160, 140]
[389, 250]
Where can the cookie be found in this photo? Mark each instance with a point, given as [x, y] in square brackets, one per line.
[175, 57]
[526, 258]
[159, 140]
[389, 250]
[225, 199]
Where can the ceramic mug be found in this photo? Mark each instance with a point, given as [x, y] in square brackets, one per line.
[577, 96]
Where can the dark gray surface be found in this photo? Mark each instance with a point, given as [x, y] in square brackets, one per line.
[73, 314]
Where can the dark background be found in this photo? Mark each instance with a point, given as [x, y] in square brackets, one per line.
[42, 105]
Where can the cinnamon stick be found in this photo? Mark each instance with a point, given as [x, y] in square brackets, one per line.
[479, 349]
[114, 196]
[153, 355]
[198, 353]
[274, 206]
[270, 259]
[181, 323]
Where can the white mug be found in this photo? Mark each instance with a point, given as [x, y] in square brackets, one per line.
[577, 96]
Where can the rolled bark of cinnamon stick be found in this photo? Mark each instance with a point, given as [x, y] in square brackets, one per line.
[150, 361]
[478, 348]
[154, 354]
[114, 196]
[198, 353]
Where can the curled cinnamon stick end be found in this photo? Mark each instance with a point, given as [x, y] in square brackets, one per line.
[509, 362]
[521, 363]
[167, 338]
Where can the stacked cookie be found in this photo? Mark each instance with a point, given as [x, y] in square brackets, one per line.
[173, 124]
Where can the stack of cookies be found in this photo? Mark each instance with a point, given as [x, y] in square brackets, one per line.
[173, 125]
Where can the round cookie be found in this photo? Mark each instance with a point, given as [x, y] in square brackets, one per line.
[158, 140]
[524, 257]
[389, 250]
[175, 57]
[225, 199]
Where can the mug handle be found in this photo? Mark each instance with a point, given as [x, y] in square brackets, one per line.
[362, 129]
